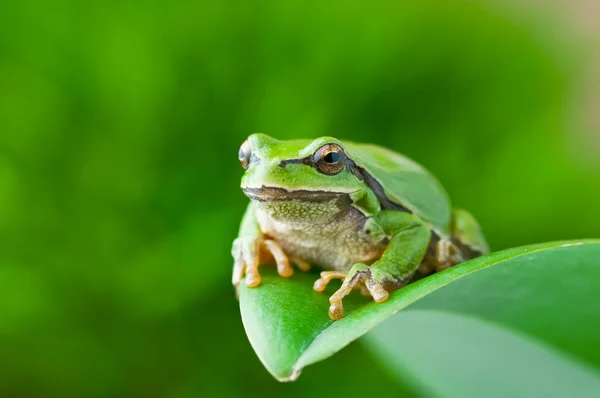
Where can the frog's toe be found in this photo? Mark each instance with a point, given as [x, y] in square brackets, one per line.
[375, 283]
[239, 267]
[301, 264]
[253, 278]
[336, 311]
[283, 263]
[245, 254]
[378, 293]
[326, 276]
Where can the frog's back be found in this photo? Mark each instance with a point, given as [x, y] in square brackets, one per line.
[405, 183]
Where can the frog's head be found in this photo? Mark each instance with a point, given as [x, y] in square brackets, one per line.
[296, 169]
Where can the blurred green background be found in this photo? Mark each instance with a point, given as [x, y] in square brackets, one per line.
[120, 123]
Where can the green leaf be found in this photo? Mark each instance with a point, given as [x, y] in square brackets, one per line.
[548, 294]
[529, 326]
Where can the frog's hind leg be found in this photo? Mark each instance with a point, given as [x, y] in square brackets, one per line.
[446, 255]
[467, 234]
[467, 241]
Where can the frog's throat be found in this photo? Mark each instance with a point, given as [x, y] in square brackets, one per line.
[269, 194]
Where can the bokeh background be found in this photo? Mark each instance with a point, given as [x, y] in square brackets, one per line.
[120, 123]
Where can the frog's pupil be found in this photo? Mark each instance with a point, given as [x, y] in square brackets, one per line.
[332, 157]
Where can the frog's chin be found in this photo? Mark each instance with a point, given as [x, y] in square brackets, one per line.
[267, 194]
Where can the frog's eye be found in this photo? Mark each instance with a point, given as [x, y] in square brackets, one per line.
[330, 159]
[245, 154]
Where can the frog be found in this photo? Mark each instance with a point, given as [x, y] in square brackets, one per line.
[364, 214]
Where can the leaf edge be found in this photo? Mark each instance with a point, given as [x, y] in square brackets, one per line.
[402, 298]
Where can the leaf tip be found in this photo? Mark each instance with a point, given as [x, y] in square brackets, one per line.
[295, 374]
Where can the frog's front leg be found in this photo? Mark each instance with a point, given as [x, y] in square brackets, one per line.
[252, 249]
[409, 242]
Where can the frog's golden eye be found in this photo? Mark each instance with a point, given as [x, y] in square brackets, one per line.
[330, 159]
[245, 154]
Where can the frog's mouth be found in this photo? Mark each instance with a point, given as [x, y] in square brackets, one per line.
[265, 194]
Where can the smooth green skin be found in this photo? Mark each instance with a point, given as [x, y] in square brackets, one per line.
[534, 305]
[404, 182]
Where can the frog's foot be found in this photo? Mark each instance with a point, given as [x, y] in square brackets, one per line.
[248, 253]
[326, 276]
[301, 264]
[373, 278]
[446, 255]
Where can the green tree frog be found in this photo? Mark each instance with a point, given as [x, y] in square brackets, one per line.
[363, 213]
